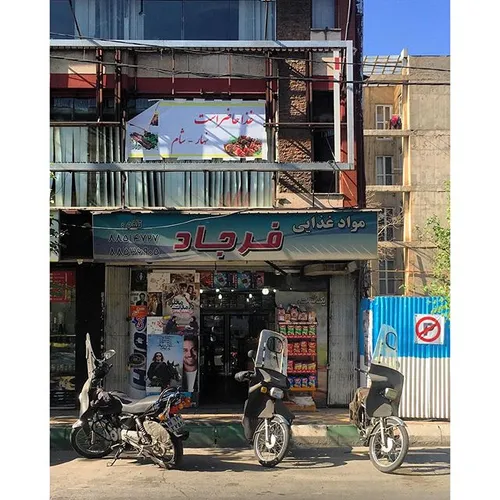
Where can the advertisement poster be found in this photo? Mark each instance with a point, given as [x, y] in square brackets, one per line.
[139, 280]
[198, 130]
[181, 303]
[62, 286]
[164, 362]
[158, 281]
[156, 325]
[138, 345]
[138, 298]
[335, 235]
[155, 306]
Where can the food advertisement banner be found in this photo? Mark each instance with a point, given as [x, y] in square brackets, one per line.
[198, 130]
[340, 235]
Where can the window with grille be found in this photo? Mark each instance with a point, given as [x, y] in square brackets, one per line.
[387, 277]
[386, 223]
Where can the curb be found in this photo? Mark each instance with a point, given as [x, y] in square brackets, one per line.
[230, 435]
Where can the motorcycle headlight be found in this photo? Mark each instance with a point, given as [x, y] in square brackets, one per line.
[276, 393]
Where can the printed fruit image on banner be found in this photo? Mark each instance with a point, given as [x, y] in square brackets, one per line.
[198, 130]
[243, 146]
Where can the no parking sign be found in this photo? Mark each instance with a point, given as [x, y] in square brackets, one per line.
[429, 329]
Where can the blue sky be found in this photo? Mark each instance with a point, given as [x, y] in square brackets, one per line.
[421, 26]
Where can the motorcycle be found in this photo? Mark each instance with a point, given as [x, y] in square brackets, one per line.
[108, 420]
[374, 409]
[266, 419]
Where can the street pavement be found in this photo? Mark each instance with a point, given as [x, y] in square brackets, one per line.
[208, 473]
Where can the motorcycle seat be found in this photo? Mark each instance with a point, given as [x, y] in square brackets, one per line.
[124, 398]
[137, 407]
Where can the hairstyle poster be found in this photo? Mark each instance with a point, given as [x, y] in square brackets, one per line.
[164, 362]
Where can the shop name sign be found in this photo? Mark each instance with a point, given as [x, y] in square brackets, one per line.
[339, 235]
[198, 130]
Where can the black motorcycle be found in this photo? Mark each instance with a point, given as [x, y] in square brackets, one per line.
[374, 410]
[111, 420]
[266, 419]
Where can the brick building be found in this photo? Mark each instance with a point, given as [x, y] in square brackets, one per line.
[152, 106]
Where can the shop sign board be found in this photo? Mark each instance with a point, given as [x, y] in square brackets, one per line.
[198, 130]
[336, 235]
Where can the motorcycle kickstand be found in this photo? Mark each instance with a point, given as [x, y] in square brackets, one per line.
[117, 455]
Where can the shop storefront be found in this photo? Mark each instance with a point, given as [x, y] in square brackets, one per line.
[199, 293]
[76, 305]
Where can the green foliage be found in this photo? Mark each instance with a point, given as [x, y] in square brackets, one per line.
[439, 286]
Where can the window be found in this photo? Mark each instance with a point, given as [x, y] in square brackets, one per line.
[386, 224]
[164, 19]
[385, 171]
[387, 277]
[323, 14]
[383, 116]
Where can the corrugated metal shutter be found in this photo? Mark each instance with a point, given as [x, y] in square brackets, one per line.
[116, 328]
[342, 349]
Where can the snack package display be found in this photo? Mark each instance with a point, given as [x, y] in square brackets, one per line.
[290, 330]
[312, 329]
[298, 366]
[305, 382]
[302, 316]
[312, 348]
[283, 330]
[298, 382]
[304, 347]
[296, 348]
[290, 381]
[290, 365]
[312, 381]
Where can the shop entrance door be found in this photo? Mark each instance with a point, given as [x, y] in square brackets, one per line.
[226, 337]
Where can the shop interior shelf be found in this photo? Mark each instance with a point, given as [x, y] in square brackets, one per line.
[301, 355]
[298, 323]
[294, 337]
[298, 372]
[303, 389]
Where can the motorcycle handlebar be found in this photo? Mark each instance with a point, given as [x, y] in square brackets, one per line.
[361, 371]
[243, 376]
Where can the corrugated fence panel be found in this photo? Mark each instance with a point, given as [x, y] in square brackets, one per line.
[116, 326]
[426, 368]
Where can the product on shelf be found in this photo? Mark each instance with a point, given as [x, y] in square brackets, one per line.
[290, 365]
[282, 330]
[312, 347]
[305, 382]
[312, 381]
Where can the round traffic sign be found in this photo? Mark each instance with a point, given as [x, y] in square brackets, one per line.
[428, 329]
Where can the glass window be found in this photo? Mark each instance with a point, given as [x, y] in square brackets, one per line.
[62, 339]
[323, 14]
[62, 24]
[386, 223]
[383, 115]
[162, 20]
[209, 20]
[384, 171]
[165, 19]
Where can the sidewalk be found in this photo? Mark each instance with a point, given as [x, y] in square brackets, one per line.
[221, 428]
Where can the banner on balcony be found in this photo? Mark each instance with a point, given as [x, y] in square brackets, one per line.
[342, 235]
[198, 130]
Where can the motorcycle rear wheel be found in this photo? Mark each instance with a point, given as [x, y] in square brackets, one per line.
[401, 443]
[177, 452]
[281, 433]
[81, 444]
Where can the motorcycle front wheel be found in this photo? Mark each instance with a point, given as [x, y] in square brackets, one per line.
[391, 457]
[83, 445]
[272, 452]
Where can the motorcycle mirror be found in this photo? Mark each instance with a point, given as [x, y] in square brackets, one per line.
[109, 354]
[251, 354]
[274, 344]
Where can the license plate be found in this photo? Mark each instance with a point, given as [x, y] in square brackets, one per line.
[175, 423]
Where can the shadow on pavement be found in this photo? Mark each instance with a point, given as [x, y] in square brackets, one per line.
[61, 457]
[435, 462]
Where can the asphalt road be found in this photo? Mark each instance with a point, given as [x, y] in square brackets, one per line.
[217, 474]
